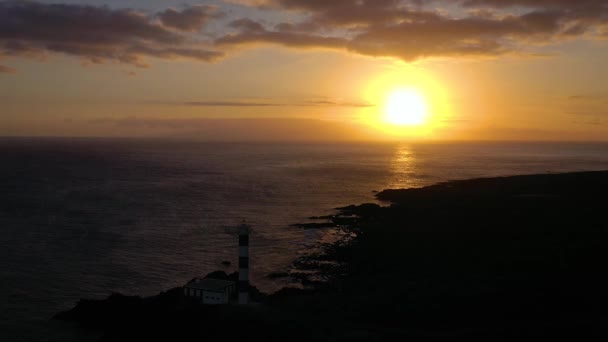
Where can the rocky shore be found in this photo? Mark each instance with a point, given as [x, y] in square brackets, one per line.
[495, 259]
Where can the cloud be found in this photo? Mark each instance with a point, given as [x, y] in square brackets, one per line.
[229, 104]
[98, 34]
[333, 103]
[254, 129]
[6, 70]
[190, 19]
[587, 97]
[310, 103]
[249, 2]
[405, 29]
[537, 3]
[412, 30]
[249, 31]
[591, 121]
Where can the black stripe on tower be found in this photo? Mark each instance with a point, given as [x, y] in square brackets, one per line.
[243, 286]
[243, 240]
[243, 262]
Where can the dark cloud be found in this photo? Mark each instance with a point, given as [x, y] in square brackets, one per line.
[404, 29]
[6, 70]
[247, 25]
[592, 121]
[332, 103]
[249, 31]
[587, 97]
[537, 3]
[190, 19]
[254, 129]
[229, 104]
[311, 103]
[98, 34]
[411, 30]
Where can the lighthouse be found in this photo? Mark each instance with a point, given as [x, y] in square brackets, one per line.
[243, 285]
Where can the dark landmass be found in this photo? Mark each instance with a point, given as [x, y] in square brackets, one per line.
[314, 225]
[493, 259]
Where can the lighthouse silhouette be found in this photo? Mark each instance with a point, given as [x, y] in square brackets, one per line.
[243, 285]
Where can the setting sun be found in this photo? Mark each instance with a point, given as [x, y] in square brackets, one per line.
[409, 103]
[405, 107]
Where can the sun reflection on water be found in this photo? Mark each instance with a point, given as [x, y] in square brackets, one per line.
[404, 168]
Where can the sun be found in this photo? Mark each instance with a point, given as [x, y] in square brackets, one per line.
[405, 107]
[408, 104]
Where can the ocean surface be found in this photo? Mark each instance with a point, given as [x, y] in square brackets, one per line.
[82, 218]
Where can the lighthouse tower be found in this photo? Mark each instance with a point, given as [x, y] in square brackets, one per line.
[243, 285]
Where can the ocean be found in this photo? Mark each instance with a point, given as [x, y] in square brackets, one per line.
[83, 218]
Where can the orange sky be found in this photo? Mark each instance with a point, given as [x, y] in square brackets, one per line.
[304, 70]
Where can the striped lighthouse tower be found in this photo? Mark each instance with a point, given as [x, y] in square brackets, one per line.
[243, 284]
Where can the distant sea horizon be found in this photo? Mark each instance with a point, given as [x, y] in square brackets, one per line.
[86, 217]
[192, 139]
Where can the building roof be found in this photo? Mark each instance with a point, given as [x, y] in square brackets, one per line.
[209, 284]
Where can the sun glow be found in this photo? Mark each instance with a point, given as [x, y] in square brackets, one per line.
[405, 107]
[410, 103]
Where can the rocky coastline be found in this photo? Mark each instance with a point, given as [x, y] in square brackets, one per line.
[495, 258]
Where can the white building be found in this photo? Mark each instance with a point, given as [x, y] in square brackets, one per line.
[210, 291]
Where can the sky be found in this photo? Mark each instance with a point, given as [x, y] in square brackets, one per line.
[304, 69]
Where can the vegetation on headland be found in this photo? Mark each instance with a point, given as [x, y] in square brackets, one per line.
[495, 258]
